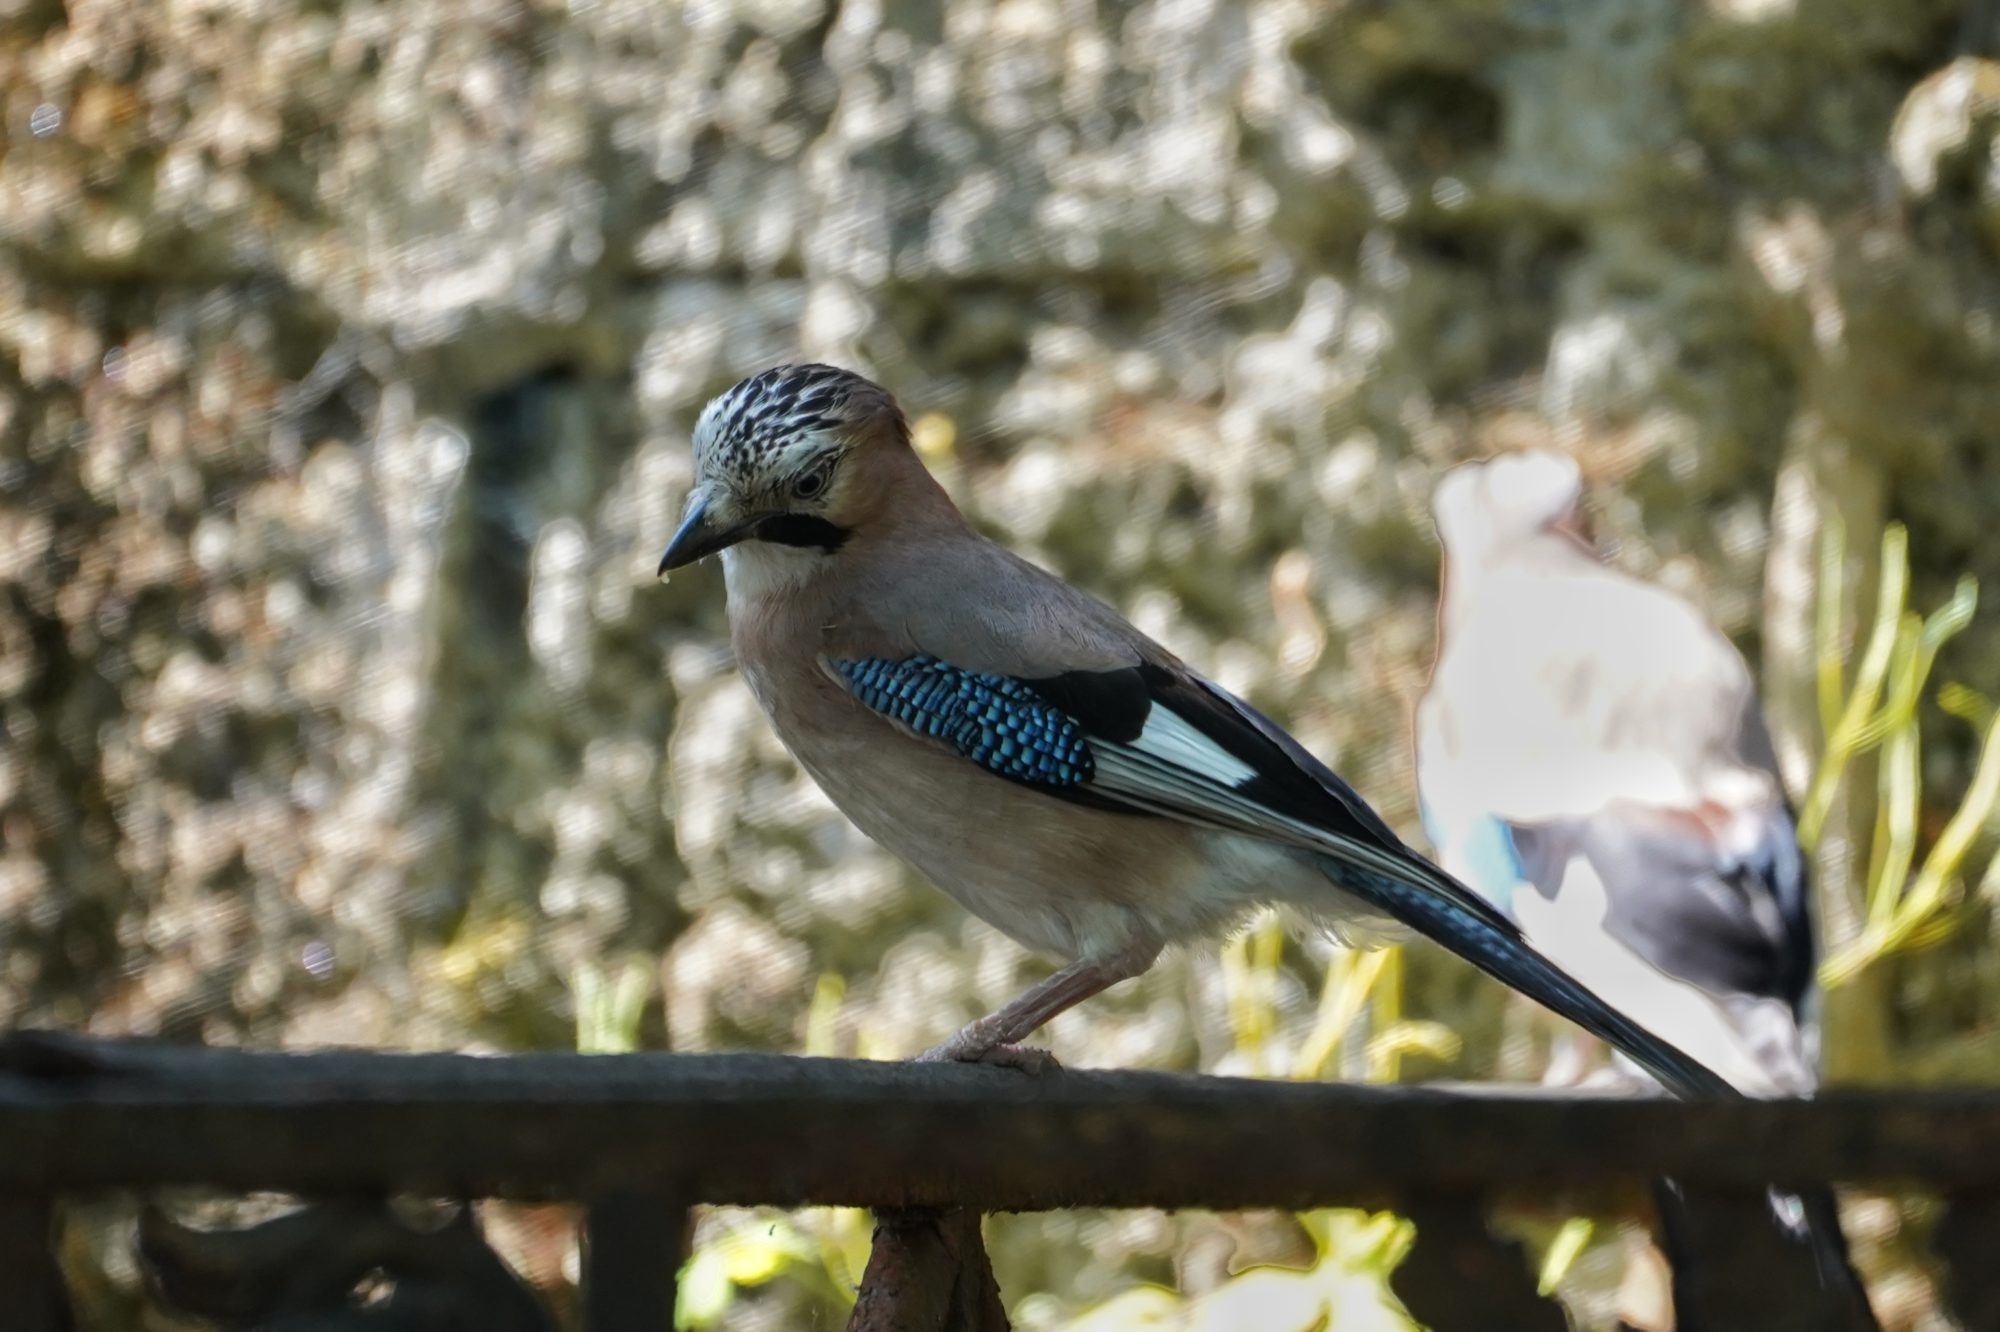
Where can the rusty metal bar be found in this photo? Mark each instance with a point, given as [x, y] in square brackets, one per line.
[928, 1272]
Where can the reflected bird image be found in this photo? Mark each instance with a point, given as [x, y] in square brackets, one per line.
[1592, 760]
[1058, 773]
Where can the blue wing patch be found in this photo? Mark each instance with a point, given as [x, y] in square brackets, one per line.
[997, 722]
[1432, 828]
[1493, 862]
[1493, 865]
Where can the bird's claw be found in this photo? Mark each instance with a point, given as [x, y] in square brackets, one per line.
[1025, 1058]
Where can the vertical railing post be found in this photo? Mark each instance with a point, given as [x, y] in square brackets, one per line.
[633, 1246]
[1461, 1277]
[928, 1272]
[31, 1283]
[1965, 1242]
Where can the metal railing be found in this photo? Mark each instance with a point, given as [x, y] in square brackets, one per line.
[641, 1138]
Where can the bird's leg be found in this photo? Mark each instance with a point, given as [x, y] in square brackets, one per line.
[994, 1036]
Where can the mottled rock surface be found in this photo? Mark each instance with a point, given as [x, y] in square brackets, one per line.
[348, 353]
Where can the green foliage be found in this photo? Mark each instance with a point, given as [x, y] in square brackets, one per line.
[609, 1009]
[1879, 713]
[823, 1250]
[1564, 1250]
[1359, 983]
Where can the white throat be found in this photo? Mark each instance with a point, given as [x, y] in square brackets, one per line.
[759, 570]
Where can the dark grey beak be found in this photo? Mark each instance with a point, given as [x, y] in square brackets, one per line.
[699, 538]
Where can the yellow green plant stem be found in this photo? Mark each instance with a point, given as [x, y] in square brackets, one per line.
[1897, 809]
[1827, 622]
[609, 1009]
[823, 1015]
[1881, 712]
[1385, 1055]
[1917, 644]
[1854, 715]
[1911, 915]
[1351, 977]
[1564, 1250]
[1250, 963]
[1968, 705]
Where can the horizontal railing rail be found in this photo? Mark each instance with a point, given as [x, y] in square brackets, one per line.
[644, 1136]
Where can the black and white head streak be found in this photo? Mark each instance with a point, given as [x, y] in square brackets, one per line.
[776, 423]
[756, 444]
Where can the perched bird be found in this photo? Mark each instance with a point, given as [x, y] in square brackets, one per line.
[1592, 761]
[1062, 776]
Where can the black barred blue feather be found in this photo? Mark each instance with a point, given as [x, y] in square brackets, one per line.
[997, 722]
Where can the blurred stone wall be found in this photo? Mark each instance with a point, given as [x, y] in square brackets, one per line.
[348, 353]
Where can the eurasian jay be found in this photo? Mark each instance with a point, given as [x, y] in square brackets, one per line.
[1592, 761]
[1050, 767]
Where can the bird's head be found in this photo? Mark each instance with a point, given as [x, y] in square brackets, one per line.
[1484, 505]
[780, 463]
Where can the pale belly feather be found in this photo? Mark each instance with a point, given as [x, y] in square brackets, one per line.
[1053, 875]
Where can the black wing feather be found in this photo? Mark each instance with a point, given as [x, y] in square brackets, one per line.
[1114, 705]
[1287, 781]
[1729, 928]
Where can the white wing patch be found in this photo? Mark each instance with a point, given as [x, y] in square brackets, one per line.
[1135, 776]
[1170, 739]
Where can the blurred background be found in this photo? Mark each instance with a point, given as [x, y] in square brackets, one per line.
[348, 357]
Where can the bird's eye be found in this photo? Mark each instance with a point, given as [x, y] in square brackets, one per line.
[812, 484]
